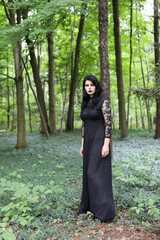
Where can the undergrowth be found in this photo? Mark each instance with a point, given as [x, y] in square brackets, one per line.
[41, 185]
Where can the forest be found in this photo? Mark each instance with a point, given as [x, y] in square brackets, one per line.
[47, 47]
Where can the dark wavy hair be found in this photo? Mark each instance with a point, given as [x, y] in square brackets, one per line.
[96, 95]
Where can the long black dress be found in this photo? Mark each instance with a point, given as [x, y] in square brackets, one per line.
[97, 196]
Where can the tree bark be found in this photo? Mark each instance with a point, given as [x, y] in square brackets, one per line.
[52, 117]
[74, 78]
[130, 64]
[21, 140]
[29, 107]
[13, 112]
[136, 114]
[157, 65]
[142, 115]
[103, 51]
[21, 131]
[122, 112]
[8, 95]
[39, 55]
[103, 48]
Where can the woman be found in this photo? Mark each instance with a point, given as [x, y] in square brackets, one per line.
[97, 194]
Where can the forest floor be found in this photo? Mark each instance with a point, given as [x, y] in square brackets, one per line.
[117, 231]
[41, 189]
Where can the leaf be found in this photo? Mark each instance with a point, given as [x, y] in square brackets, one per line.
[8, 235]
[39, 156]
[3, 225]
[137, 210]
[59, 166]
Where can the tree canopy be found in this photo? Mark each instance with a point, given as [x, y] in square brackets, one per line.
[39, 18]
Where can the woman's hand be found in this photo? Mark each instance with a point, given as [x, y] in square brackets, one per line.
[81, 151]
[105, 151]
[105, 148]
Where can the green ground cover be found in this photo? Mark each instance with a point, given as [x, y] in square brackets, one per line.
[41, 185]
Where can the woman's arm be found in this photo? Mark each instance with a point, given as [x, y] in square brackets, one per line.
[106, 110]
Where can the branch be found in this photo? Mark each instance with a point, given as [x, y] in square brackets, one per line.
[4, 5]
[146, 93]
[7, 76]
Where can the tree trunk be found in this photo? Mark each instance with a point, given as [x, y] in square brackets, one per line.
[103, 51]
[21, 132]
[29, 107]
[39, 55]
[151, 121]
[8, 95]
[52, 117]
[157, 65]
[74, 78]
[13, 114]
[40, 92]
[142, 115]
[136, 114]
[103, 48]
[130, 64]
[67, 72]
[21, 141]
[36, 75]
[122, 112]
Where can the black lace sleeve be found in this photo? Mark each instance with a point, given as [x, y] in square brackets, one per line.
[106, 110]
[82, 129]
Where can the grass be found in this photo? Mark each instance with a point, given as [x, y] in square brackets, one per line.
[43, 182]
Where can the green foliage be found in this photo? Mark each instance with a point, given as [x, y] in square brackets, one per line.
[6, 234]
[38, 24]
[26, 202]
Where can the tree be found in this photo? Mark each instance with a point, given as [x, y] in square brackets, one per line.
[74, 77]
[52, 118]
[45, 17]
[51, 84]
[157, 65]
[21, 133]
[103, 48]
[8, 95]
[122, 112]
[67, 73]
[35, 69]
[130, 64]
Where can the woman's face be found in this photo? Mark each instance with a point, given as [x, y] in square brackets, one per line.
[90, 88]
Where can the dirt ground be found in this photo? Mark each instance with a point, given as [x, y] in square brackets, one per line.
[119, 232]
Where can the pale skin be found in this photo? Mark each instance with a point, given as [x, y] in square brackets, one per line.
[90, 90]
